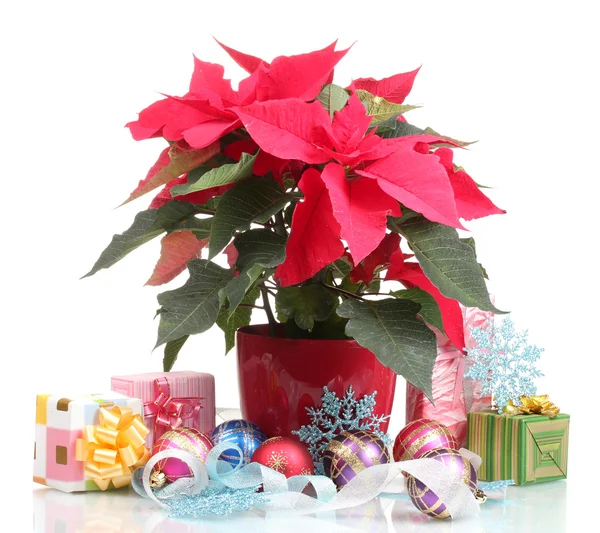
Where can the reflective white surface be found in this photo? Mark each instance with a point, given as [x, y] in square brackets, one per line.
[537, 508]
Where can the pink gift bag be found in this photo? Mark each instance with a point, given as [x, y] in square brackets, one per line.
[171, 400]
[453, 394]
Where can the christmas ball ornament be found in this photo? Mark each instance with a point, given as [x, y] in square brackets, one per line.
[421, 436]
[246, 435]
[171, 469]
[349, 453]
[427, 501]
[288, 456]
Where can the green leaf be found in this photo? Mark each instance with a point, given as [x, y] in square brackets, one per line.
[331, 329]
[257, 249]
[305, 304]
[357, 288]
[199, 226]
[341, 268]
[400, 340]
[374, 286]
[172, 163]
[348, 286]
[395, 223]
[392, 128]
[379, 108]
[471, 242]
[146, 226]
[333, 97]
[449, 263]
[238, 287]
[192, 308]
[217, 177]
[172, 350]
[430, 310]
[250, 200]
[260, 246]
[431, 131]
[231, 322]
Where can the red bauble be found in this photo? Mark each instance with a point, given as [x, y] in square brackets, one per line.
[288, 456]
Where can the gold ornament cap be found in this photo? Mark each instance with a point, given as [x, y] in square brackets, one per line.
[157, 480]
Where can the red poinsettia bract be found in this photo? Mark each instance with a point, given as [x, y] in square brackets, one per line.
[351, 179]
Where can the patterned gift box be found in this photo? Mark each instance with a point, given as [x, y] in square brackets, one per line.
[171, 399]
[60, 422]
[453, 394]
[526, 448]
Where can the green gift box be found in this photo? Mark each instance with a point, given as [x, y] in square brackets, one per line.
[525, 448]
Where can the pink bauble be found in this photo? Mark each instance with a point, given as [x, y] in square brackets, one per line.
[187, 439]
[421, 436]
[288, 456]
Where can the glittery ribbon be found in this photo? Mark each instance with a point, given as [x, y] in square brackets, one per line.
[532, 405]
[287, 495]
[114, 448]
[168, 412]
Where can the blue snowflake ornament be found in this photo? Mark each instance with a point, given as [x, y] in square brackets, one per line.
[504, 362]
[337, 415]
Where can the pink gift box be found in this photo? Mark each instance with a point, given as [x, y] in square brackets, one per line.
[453, 394]
[171, 399]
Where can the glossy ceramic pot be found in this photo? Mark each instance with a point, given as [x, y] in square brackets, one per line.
[280, 377]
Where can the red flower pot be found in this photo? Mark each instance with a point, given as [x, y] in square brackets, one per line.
[280, 377]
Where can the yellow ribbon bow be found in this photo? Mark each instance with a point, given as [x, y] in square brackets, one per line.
[114, 448]
[533, 405]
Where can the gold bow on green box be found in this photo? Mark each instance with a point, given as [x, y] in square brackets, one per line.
[532, 405]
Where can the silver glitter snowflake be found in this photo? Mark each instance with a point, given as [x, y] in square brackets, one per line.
[337, 415]
[504, 362]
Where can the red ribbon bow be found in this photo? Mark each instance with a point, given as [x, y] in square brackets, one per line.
[169, 412]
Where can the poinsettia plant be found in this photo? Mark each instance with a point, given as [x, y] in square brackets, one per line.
[309, 189]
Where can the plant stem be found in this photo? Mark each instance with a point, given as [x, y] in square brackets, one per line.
[343, 292]
[272, 322]
[280, 224]
[252, 306]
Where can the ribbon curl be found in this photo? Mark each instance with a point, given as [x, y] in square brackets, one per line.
[532, 405]
[114, 448]
[169, 412]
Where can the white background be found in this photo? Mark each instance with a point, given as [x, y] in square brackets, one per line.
[522, 77]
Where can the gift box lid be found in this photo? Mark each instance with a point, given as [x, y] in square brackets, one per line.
[187, 387]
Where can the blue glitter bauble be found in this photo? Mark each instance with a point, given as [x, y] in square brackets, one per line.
[246, 435]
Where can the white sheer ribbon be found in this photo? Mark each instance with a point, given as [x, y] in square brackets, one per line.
[286, 495]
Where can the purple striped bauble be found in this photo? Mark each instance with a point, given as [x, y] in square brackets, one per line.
[427, 501]
[421, 436]
[350, 453]
[187, 439]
